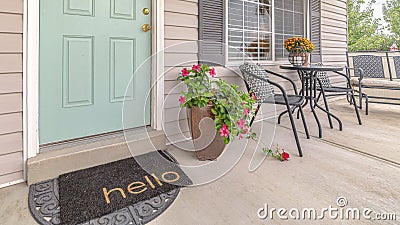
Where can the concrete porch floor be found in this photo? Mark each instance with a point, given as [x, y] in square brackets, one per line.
[327, 171]
[377, 137]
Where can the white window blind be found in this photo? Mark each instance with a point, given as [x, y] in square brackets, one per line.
[258, 28]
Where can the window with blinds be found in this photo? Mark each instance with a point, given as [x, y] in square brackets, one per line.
[258, 28]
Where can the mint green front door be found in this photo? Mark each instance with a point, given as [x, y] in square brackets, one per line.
[89, 50]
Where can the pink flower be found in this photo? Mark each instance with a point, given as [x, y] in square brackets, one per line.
[182, 100]
[185, 72]
[254, 96]
[285, 156]
[224, 131]
[196, 67]
[212, 72]
[246, 111]
[241, 123]
[245, 130]
[240, 137]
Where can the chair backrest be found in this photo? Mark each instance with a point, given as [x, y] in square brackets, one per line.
[396, 61]
[251, 73]
[316, 59]
[323, 77]
[371, 65]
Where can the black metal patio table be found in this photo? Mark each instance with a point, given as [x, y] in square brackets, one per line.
[308, 77]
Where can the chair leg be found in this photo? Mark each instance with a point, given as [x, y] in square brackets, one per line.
[306, 102]
[319, 97]
[304, 105]
[294, 131]
[303, 118]
[366, 104]
[350, 99]
[254, 117]
[356, 108]
[283, 113]
[280, 116]
[327, 108]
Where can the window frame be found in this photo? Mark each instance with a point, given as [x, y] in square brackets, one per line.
[307, 33]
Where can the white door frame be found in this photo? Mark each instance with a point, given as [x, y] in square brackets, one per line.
[31, 73]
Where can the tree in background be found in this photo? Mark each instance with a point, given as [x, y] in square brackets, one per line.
[391, 12]
[365, 31]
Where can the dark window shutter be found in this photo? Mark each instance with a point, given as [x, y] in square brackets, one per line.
[315, 19]
[212, 32]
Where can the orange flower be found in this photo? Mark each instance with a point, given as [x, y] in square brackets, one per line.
[301, 42]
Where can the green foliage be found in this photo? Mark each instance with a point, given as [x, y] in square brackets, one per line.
[199, 86]
[391, 12]
[365, 32]
[377, 42]
[232, 109]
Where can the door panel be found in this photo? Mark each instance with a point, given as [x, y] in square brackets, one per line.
[123, 9]
[122, 60]
[79, 7]
[78, 71]
[89, 51]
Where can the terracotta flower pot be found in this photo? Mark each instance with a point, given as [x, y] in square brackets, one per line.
[209, 145]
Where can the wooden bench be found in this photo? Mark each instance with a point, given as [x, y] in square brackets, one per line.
[375, 76]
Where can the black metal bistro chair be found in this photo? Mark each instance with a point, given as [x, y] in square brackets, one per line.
[373, 74]
[326, 89]
[258, 82]
[368, 66]
[396, 62]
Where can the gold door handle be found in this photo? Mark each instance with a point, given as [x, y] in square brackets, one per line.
[146, 11]
[146, 27]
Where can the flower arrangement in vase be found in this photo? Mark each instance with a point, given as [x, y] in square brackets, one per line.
[230, 109]
[299, 49]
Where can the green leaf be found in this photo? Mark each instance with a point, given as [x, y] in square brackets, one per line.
[214, 111]
[223, 109]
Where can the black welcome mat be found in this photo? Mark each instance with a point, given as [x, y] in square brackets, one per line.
[94, 192]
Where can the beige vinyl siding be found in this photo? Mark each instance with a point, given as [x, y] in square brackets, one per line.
[181, 34]
[11, 151]
[334, 34]
[334, 31]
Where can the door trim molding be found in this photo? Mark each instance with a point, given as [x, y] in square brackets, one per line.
[157, 64]
[31, 74]
[31, 80]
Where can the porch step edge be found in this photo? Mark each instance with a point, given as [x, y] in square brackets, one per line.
[51, 164]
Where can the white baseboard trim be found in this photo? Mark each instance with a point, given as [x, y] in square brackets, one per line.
[12, 183]
[177, 142]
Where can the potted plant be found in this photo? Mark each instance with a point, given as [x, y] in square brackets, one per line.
[300, 49]
[230, 109]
